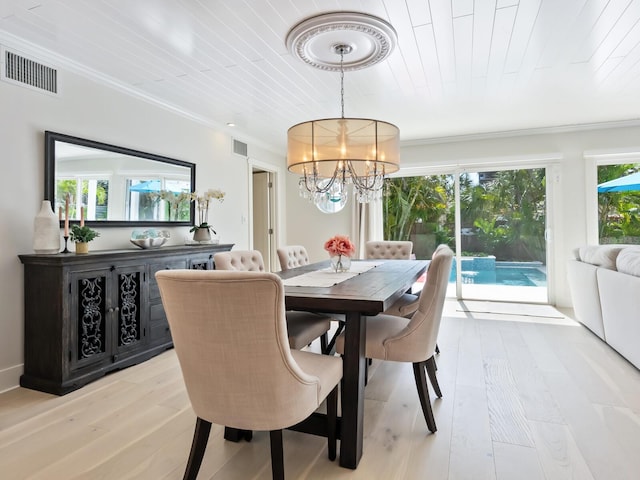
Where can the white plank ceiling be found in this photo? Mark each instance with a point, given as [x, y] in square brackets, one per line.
[460, 67]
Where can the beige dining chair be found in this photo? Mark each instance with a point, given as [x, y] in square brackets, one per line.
[303, 327]
[413, 340]
[229, 333]
[406, 305]
[292, 256]
[393, 250]
[389, 249]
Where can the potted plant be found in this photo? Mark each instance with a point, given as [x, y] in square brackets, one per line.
[82, 235]
[202, 230]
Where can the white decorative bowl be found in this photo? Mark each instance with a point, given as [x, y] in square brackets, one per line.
[149, 238]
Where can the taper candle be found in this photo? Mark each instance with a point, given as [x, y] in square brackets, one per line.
[82, 216]
[66, 215]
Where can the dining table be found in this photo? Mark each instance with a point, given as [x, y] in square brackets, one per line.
[368, 288]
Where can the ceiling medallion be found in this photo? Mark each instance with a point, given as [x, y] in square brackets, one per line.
[370, 38]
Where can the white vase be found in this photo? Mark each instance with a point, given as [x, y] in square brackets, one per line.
[202, 235]
[46, 230]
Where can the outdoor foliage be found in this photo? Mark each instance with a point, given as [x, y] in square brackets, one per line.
[69, 187]
[618, 212]
[502, 216]
[411, 200]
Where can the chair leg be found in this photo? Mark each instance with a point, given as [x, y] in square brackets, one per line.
[332, 343]
[431, 371]
[198, 447]
[323, 344]
[366, 373]
[332, 415]
[423, 393]
[277, 455]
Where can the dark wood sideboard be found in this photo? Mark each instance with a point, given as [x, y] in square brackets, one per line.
[87, 315]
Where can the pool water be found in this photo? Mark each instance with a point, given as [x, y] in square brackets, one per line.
[513, 276]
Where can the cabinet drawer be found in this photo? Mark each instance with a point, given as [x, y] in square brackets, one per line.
[159, 332]
[157, 313]
[154, 292]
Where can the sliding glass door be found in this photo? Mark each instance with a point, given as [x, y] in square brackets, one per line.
[495, 221]
[502, 235]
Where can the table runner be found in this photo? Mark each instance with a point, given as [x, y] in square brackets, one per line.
[327, 277]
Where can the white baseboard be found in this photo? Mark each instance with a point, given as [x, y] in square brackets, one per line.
[10, 377]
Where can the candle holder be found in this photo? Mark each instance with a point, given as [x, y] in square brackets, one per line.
[66, 239]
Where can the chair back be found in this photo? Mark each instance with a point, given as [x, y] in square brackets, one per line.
[230, 337]
[417, 342]
[391, 249]
[292, 256]
[240, 260]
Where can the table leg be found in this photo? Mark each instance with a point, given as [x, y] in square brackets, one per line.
[353, 390]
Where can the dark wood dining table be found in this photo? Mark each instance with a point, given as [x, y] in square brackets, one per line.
[366, 294]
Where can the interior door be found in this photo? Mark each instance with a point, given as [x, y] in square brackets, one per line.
[263, 216]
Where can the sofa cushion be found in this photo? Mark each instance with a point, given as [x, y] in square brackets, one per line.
[628, 261]
[601, 255]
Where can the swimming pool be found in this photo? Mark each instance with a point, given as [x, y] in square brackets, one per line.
[486, 271]
[511, 276]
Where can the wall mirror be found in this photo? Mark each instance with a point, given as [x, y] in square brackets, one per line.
[116, 186]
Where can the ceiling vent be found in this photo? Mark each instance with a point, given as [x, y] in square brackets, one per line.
[26, 72]
[240, 148]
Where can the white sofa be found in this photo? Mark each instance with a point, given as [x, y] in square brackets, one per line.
[604, 281]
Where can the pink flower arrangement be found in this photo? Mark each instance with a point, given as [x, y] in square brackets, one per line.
[340, 245]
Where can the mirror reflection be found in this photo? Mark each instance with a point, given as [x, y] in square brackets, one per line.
[116, 186]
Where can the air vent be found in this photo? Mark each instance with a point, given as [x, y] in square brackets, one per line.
[240, 148]
[24, 71]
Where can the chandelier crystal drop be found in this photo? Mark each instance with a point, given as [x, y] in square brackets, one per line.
[330, 154]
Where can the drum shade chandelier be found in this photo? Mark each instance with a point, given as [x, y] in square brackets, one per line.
[330, 153]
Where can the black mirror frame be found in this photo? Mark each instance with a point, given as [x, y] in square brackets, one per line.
[50, 139]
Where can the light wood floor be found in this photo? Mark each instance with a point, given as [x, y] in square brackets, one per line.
[525, 397]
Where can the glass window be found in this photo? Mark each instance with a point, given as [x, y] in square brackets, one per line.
[619, 203]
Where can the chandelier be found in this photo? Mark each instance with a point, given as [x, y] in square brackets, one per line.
[329, 154]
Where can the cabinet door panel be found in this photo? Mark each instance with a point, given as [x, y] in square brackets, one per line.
[89, 304]
[129, 308]
[154, 292]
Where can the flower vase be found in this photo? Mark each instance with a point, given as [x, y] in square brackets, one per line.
[340, 263]
[46, 230]
[202, 235]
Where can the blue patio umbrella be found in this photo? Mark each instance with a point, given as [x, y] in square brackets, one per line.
[623, 184]
[152, 186]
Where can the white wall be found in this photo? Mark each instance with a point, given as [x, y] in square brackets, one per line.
[308, 226]
[90, 110]
[569, 189]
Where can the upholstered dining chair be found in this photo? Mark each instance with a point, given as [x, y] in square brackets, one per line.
[406, 305]
[229, 333]
[292, 256]
[302, 327]
[389, 249]
[400, 339]
[392, 250]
